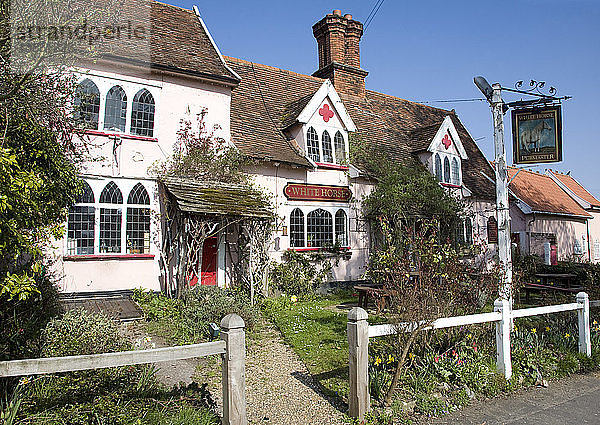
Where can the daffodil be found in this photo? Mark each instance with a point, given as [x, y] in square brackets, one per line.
[469, 336]
[390, 359]
[567, 335]
[24, 381]
[533, 330]
[547, 328]
[595, 322]
[411, 356]
[294, 298]
[377, 361]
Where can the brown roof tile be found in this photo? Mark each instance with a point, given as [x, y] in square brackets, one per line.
[174, 38]
[542, 194]
[576, 188]
[269, 99]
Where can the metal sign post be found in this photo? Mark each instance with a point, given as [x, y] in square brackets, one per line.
[494, 96]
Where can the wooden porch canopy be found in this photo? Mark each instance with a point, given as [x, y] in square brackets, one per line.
[214, 198]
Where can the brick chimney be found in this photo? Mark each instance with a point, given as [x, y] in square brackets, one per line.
[338, 40]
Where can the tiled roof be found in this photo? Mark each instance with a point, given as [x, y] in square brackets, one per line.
[574, 186]
[174, 39]
[542, 194]
[421, 137]
[269, 99]
[261, 106]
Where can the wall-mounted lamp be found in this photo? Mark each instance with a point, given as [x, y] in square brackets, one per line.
[284, 231]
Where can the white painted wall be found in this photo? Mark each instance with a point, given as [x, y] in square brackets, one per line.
[127, 161]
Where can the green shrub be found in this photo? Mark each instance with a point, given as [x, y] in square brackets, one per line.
[202, 305]
[300, 274]
[81, 332]
[185, 320]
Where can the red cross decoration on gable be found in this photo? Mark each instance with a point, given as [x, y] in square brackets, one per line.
[446, 141]
[326, 113]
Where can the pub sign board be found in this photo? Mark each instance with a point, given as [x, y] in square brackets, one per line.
[317, 192]
[537, 135]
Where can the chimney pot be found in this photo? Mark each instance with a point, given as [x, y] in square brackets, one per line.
[348, 16]
[337, 12]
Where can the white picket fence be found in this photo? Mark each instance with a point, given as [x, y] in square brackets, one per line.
[359, 332]
[232, 348]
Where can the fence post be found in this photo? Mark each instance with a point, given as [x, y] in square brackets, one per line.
[583, 314]
[503, 361]
[358, 343]
[234, 370]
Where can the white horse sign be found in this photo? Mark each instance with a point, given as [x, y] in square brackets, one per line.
[537, 135]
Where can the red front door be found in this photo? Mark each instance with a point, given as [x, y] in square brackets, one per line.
[208, 272]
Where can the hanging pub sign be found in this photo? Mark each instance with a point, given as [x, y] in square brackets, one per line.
[537, 135]
[317, 192]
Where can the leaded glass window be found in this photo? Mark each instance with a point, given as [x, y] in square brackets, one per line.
[597, 249]
[110, 219]
[455, 172]
[312, 145]
[80, 224]
[87, 105]
[142, 114]
[469, 231]
[115, 113]
[446, 170]
[341, 228]
[319, 226]
[340, 148]
[138, 221]
[438, 167]
[297, 228]
[327, 151]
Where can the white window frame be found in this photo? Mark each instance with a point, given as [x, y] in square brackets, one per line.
[125, 186]
[332, 130]
[306, 209]
[131, 88]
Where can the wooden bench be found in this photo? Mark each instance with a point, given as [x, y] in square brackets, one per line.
[537, 287]
[377, 292]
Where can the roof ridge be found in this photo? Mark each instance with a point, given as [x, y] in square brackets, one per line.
[172, 5]
[256, 64]
[411, 101]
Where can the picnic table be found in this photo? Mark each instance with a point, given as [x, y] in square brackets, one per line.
[552, 282]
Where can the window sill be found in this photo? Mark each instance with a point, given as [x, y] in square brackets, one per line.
[343, 248]
[457, 186]
[332, 166]
[121, 135]
[93, 257]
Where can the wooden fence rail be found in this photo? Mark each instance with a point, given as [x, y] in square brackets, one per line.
[232, 348]
[359, 333]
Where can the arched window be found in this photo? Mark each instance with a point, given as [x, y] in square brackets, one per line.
[115, 112]
[80, 224]
[312, 145]
[438, 167]
[297, 228]
[110, 219]
[455, 172]
[468, 231]
[340, 148]
[138, 221]
[327, 151]
[341, 228]
[87, 105]
[446, 170]
[319, 228]
[142, 114]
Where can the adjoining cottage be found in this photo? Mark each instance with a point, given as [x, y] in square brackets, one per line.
[553, 217]
[297, 127]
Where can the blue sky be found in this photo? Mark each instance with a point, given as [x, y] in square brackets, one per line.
[431, 50]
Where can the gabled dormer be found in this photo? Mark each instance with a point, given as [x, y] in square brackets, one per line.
[439, 147]
[322, 128]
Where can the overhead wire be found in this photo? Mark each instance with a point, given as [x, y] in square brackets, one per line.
[372, 14]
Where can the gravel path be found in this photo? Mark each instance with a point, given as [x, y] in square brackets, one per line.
[279, 388]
